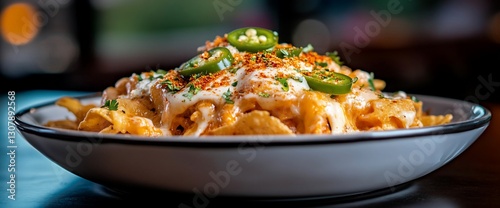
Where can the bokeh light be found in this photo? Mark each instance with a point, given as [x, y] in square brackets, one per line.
[17, 25]
[494, 29]
[314, 32]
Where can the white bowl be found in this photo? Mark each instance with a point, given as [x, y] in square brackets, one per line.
[258, 166]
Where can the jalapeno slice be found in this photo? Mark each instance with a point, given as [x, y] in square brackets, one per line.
[331, 83]
[252, 39]
[208, 62]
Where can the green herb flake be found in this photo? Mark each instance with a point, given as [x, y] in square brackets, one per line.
[284, 83]
[264, 94]
[284, 53]
[139, 77]
[170, 86]
[161, 71]
[227, 97]
[354, 80]
[198, 75]
[191, 92]
[289, 52]
[234, 84]
[233, 70]
[194, 89]
[335, 57]
[370, 81]
[111, 105]
[188, 95]
[322, 64]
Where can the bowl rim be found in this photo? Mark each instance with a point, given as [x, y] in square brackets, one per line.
[480, 117]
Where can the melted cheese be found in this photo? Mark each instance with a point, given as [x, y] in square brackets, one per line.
[261, 83]
[247, 81]
[143, 87]
[251, 84]
[202, 123]
[336, 118]
[159, 103]
[408, 117]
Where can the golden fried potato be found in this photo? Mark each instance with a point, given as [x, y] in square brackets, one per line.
[75, 106]
[63, 124]
[254, 123]
[432, 120]
[123, 120]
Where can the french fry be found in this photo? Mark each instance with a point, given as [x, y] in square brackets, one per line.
[254, 123]
[432, 120]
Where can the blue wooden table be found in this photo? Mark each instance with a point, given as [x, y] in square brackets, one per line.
[471, 180]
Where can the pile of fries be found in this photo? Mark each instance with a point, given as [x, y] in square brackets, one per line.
[237, 86]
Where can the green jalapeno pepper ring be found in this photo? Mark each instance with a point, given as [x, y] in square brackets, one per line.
[239, 38]
[335, 83]
[220, 58]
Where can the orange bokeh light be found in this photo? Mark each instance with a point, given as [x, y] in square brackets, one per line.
[494, 29]
[17, 25]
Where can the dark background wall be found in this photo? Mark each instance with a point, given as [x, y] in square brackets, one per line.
[446, 47]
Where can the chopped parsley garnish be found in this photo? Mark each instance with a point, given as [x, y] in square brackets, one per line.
[170, 86]
[284, 83]
[288, 52]
[234, 84]
[139, 77]
[191, 92]
[370, 81]
[188, 96]
[198, 75]
[322, 64]
[335, 57]
[293, 51]
[264, 94]
[233, 70]
[152, 76]
[111, 105]
[227, 97]
[284, 52]
[161, 71]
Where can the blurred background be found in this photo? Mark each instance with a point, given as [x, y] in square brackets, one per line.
[446, 48]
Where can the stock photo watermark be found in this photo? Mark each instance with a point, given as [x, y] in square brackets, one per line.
[223, 6]
[426, 148]
[484, 90]
[76, 154]
[371, 29]
[408, 164]
[11, 146]
[220, 179]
